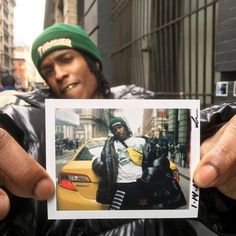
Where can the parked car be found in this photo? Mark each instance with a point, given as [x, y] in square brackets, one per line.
[77, 183]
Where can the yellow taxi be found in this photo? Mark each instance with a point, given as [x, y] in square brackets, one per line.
[77, 183]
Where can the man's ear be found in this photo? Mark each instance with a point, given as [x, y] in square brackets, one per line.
[98, 66]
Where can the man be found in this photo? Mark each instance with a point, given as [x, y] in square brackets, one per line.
[8, 82]
[123, 191]
[133, 171]
[10, 95]
[74, 71]
[56, 54]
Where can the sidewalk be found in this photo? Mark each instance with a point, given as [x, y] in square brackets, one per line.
[184, 172]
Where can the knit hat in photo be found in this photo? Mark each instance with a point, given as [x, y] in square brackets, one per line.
[118, 121]
[61, 36]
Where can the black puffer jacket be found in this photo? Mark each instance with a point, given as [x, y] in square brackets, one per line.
[106, 166]
[155, 166]
[29, 217]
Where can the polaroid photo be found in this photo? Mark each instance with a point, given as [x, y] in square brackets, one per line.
[122, 158]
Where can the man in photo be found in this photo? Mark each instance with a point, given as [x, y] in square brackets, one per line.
[127, 183]
[118, 185]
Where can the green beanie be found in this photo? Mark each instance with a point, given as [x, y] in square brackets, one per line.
[117, 121]
[61, 36]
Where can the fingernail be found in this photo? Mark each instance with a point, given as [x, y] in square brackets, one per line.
[4, 205]
[206, 176]
[44, 189]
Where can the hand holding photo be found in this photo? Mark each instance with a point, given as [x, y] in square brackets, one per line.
[111, 160]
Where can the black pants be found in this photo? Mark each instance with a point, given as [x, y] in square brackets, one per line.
[131, 196]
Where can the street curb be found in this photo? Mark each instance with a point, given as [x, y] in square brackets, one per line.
[184, 176]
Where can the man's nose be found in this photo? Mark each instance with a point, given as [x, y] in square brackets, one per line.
[59, 72]
[119, 130]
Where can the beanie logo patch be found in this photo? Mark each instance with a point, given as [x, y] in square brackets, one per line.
[53, 43]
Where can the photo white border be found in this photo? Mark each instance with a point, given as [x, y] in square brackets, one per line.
[193, 105]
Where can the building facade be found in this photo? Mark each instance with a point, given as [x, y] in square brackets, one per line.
[6, 36]
[76, 126]
[179, 49]
[168, 46]
[23, 68]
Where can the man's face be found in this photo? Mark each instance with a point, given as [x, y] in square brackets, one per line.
[68, 75]
[120, 132]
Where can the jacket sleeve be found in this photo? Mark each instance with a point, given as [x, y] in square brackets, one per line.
[216, 211]
[26, 125]
[214, 117]
[99, 164]
[98, 167]
[9, 125]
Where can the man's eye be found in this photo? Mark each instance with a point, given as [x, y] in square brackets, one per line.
[67, 59]
[47, 73]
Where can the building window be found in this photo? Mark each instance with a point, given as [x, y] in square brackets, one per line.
[222, 89]
[6, 61]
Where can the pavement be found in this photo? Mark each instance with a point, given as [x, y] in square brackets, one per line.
[184, 172]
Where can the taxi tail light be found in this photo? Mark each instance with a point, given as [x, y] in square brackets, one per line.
[66, 180]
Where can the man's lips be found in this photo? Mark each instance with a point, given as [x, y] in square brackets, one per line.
[67, 88]
[121, 135]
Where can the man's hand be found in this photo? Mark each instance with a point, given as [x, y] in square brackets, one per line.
[217, 167]
[20, 174]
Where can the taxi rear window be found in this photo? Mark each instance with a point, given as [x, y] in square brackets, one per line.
[90, 151]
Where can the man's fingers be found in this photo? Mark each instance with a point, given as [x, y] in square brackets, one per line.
[44, 189]
[218, 163]
[4, 204]
[20, 173]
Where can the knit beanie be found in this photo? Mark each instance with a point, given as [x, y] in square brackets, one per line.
[118, 121]
[62, 36]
